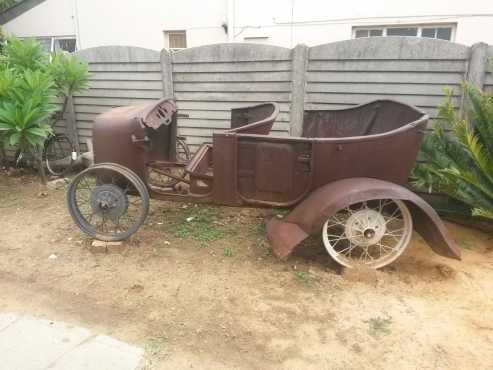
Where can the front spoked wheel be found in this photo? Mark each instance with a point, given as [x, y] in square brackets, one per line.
[108, 202]
[372, 233]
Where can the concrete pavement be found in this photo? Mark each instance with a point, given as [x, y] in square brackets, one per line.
[27, 343]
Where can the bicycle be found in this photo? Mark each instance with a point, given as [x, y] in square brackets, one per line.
[58, 154]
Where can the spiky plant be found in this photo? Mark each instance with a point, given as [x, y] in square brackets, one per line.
[70, 74]
[29, 88]
[24, 54]
[25, 113]
[459, 163]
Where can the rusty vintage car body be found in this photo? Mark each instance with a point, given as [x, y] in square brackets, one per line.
[345, 176]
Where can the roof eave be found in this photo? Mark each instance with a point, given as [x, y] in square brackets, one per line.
[18, 9]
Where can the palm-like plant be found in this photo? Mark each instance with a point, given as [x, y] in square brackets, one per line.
[25, 112]
[460, 163]
[8, 80]
[70, 75]
[24, 54]
[29, 88]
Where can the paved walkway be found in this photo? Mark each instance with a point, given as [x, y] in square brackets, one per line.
[32, 344]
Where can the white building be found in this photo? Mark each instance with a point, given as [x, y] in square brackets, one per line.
[156, 24]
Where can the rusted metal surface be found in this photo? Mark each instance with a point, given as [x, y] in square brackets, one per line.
[329, 151]
[133, 136]
[157, 115]
[343, 156]
[254, 120]
[308, 217]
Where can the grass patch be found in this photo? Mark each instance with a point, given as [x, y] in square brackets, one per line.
[228, 252]
[378, 326]
[261, 227]
[201, 224]
[301, 276]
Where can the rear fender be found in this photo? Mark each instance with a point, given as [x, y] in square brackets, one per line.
[308, 217]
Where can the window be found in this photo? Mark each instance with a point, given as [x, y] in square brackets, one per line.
[368, 32]
[45, 43]
[257, 39]
[442, 32]
[175, 40]
[67, 45]
[51, 44]
[400, 31]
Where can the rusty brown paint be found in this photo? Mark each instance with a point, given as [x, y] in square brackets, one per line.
[359, 153]
[307, 218]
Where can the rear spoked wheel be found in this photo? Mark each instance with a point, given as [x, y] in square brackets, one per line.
[372, 233]
[108, 202]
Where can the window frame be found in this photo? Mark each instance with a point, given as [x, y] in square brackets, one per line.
[55, 38]
[167, 40]
[419, 26]
[52, 41]
[256, 39]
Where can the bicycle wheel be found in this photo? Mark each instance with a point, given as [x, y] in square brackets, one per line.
[58, 155]
[182, 151]
[158, 181]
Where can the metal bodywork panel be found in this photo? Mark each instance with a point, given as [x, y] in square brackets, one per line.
[135, 135]
[343, 156]
[380, 139]
[308, 217]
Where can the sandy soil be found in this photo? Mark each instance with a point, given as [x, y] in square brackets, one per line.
[208, 294]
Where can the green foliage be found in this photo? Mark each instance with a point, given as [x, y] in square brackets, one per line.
[24, 54]
[8, 80]
[378, 326]
[201, 225]
[70, 74]
[301, 276]
[30, 86]
[5, 4]
[26, 108]
[460, 163]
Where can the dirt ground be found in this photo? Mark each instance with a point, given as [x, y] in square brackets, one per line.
[207, 293]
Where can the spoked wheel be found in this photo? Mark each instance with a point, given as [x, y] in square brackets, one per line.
[373, 233]
[182, 151]
[158, 179]
[58, 155]
[108, 202]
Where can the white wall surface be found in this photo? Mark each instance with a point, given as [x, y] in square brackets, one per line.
[141, 23]
[320, 21]
[50, 18]
[284, 22]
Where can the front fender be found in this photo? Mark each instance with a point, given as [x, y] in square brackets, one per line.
[308, 217]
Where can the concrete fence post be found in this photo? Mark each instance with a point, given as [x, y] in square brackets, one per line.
[299, 67]
[476, 71]
[478, 60]
[167, 73]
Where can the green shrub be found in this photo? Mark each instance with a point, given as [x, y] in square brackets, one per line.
[30, 86]
[24, 54]
[460, 163]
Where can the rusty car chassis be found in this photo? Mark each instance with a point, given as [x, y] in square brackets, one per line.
[344, 177]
